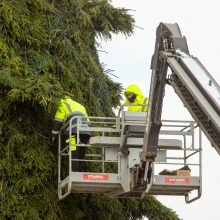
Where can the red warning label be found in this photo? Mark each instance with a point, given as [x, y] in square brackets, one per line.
[88, 176]
[177, 180]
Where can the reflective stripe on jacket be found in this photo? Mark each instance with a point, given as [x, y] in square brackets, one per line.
[140, 99]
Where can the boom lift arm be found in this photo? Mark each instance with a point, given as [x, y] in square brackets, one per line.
[171, 50]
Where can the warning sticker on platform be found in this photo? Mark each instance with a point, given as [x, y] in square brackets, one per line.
[87, 176]
[177, 180]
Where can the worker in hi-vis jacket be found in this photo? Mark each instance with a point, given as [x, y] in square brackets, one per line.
[134, 95]
[66, 110]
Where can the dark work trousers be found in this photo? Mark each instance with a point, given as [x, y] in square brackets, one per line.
[79, 153]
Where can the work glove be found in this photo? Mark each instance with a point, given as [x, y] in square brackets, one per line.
[54, 138]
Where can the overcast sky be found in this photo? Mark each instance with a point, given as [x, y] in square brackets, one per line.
[130, 58]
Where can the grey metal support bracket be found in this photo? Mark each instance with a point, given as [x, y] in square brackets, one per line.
[188, 200]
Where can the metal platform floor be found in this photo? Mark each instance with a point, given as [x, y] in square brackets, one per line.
[110, 185]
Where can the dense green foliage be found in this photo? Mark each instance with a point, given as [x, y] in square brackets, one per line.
[47, 49]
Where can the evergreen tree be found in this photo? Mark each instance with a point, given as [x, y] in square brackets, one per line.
[48, 47]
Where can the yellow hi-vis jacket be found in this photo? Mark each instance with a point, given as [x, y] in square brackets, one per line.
[140, 99]
[68, 109]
